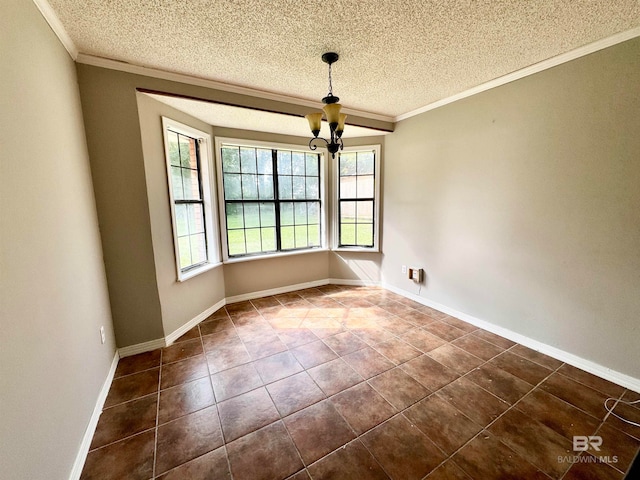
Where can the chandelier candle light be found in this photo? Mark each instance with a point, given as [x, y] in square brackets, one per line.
[332, 111]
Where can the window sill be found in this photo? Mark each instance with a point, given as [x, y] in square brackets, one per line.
[197, 271]
[356, 249]
[273, 255]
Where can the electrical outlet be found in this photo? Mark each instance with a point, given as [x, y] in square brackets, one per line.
[103, 337]
[404, 269]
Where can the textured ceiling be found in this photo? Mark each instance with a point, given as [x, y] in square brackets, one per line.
[395, 55]
[255, 120]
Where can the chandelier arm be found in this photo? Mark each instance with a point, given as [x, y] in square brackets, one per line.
[315, 147]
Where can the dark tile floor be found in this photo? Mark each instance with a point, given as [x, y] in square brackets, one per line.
[353, 383]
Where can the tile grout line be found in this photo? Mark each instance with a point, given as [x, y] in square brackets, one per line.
[494, 395]
[213, 392]
[281, 419]
[327, 398]
[155, 440]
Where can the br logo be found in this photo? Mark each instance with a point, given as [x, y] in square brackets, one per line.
[582, 443]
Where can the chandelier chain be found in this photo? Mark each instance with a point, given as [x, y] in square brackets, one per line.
[330, 84]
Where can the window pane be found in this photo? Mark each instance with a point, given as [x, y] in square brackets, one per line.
[236, 242]
[287, 238]
[300, 210]
[347, 234]
[232, 187]
[230, 160]
[248, 174]
[314, 235]
[184, 249]
[174, 152]
[347, 164]
[268, 214]
[182, 225]
[248, 160]
[249, 187]
[187, 150]
[312, 164]
[298, 163]
[314, 212]
[347, 212]
[286, 214]
[265, 162]
[365, 212]
[365, 163]
[254, 244]
[196, 218]
[268, 239]
[348, 187]
[265, 187]
[176, 183]
[191, 184]
[284, 187]
[365, 186]
[198, 249]
[284, 163]
[301, 236]
[365, 235]
[251, 216]
[313, 187]
[298, 188]
[235, 216]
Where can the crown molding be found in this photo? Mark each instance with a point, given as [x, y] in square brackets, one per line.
[57, 27]
[203, 82]
[530, 70]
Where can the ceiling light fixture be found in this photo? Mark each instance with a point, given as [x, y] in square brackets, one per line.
[332, 111]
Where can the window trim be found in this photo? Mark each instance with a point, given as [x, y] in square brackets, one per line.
[238, 142]
[207, 180]
[335, 219]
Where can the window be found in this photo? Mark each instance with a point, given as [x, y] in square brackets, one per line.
[358, 191]
[187, 156]
[272, 198]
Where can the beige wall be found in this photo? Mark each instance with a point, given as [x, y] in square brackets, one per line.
[180, 302]
[522, 205]
[117, 167]
[52, 279]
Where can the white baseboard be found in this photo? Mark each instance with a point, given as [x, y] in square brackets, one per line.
[276, 291]
[601, 371]
[142, 347]
[81, 457]
[173, 336]
[354, 282]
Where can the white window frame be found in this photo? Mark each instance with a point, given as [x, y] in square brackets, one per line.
[335, 220]
[324, 208]
[209, 201]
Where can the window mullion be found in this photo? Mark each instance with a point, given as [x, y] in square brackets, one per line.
[276, 197]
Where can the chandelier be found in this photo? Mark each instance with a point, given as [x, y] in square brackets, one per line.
[332, 111]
